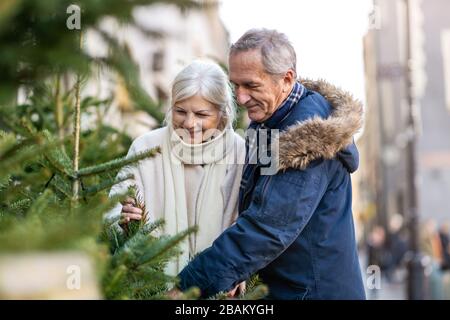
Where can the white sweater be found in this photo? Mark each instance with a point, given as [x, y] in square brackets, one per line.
[148, 178]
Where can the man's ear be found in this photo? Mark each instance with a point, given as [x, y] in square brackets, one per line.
[289, 78]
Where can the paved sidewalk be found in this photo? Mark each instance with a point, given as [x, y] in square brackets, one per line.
[387, 290]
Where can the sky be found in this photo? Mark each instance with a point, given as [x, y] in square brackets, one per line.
[327, 34]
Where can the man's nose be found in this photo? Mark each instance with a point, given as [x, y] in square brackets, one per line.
[242, 97]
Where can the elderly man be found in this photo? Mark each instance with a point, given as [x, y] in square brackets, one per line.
[295, 226]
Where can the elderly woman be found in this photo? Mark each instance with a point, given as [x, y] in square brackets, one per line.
[195, 180]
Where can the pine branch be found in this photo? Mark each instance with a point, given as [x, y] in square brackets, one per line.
[48, 224]
[164, 245]
[5, 182]
[142, 281]
[219, 296]
[20, 205]
[22, 153]
[118, 163]
[112, 236]
[150, 227]
[40, 204]
[257, 293]
[155, 274]
[253, 282]
[106, 184]
[8, 143]
[116, 281]
[55, 162]
[58, 158]
[147, 283]
[191, 294]
[62, 186]
[131, 248]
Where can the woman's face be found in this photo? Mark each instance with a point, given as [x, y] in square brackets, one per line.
[195, 119]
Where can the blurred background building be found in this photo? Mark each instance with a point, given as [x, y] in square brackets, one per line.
[162, 40]
[383, 180]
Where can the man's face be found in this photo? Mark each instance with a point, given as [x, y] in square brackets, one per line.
[259, 92]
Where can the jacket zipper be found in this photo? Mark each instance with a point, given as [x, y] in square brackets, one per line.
[244, 197]
[266, 184]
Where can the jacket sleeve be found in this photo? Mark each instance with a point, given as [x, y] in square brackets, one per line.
[282, 205]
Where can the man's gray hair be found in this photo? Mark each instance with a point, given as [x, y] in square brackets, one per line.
[208, 80]
[277, 53]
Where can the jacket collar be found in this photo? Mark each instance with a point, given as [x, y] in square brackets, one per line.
[286, 107]
[318, 138]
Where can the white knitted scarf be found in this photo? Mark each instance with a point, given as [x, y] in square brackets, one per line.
[209, 205]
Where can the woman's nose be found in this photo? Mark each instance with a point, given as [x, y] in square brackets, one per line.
[189, 122]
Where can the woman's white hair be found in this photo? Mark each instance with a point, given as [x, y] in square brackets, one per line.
[208, 80]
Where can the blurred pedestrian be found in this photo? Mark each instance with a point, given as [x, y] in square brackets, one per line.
[396, 246]
[444, 235]
[376, 246]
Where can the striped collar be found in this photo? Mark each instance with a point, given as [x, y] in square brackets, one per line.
[285, 108]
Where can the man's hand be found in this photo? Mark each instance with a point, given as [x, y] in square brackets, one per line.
[238, 290]
[174, 294]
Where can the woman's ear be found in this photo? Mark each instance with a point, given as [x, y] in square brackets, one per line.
[223, 121]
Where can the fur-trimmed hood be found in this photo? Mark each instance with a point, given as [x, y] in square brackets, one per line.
[321, 138]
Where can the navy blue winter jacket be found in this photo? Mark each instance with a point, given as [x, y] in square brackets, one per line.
[295, 228]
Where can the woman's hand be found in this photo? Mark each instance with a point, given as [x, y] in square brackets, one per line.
[129, 212]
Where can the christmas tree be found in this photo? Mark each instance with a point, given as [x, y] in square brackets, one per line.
[54, 176]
